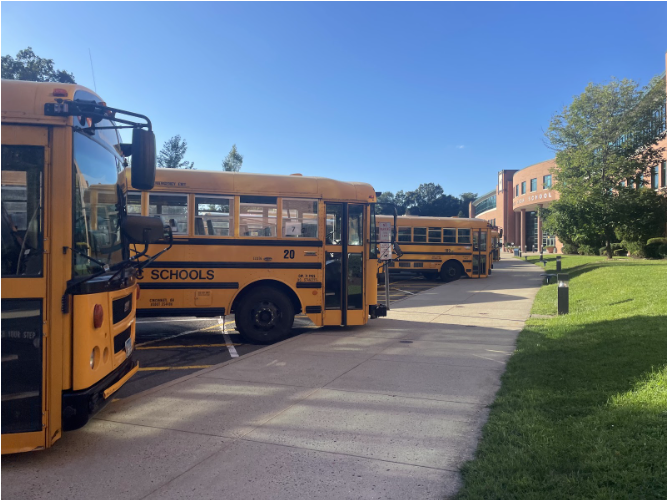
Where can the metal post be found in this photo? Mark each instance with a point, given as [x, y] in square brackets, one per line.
[562, 293]
[558, 263]
[387, 284]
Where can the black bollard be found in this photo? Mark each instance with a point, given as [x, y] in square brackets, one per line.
[558, 263]
[562, 293]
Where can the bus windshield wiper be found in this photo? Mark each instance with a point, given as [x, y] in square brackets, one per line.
[105, 267]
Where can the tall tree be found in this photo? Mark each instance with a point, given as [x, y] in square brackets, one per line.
[172, 154]
[608, 134]
[31, 67]
[233, 160]
[466, 199]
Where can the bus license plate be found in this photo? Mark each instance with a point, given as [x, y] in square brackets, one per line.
[128, 347]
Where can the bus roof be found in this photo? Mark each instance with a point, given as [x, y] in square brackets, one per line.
[233, 183]
[408, 220]
[24, 101]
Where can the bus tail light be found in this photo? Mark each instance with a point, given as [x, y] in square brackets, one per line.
[59, 93]
[98, 316]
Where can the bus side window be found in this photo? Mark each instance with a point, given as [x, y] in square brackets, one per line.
[449, 235]
[172, 209]
[257, 216]
[300, 218]
[464, 236]
[404, 234]
[214, 216]
[434, 235]
[420, 234]
[134, 203]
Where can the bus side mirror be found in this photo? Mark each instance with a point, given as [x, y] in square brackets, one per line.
[397, 249]
[143, 159]
[144, 230]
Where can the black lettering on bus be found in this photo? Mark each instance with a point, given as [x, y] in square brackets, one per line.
[183, 275]
[194, 277]
[155, 274]
[209, 275]
[288, 254]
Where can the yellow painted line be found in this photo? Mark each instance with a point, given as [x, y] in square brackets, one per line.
[183, 346]
[165, 368]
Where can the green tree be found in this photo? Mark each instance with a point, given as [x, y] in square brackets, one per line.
[466, 199]
[233, 160]
[172, 154]
[643, 217]
[609, 133]
[389, 198]
[31, 67]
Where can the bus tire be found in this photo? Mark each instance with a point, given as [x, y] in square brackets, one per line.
[450, 271]
[265, 316]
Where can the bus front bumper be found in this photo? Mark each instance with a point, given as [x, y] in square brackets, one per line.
[80, 406]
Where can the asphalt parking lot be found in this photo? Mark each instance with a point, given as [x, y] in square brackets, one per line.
[170, 348]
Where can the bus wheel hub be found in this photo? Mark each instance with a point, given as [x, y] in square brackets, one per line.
[266, 315]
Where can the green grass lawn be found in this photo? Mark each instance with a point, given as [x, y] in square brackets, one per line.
[581, 412]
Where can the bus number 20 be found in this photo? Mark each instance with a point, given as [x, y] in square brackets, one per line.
[288, 254]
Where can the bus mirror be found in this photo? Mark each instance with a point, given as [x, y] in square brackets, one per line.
[143, 230]
[143, 159]
[397, 249]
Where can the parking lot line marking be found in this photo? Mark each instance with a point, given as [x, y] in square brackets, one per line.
[167, 368]
[180, 335]
[230, 347]
[183, 346]
[150, 320]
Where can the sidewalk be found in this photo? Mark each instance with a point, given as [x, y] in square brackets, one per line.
[388, 410]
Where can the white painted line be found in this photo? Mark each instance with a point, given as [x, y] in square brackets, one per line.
[180, 335]
[233, 352]
[148, 320]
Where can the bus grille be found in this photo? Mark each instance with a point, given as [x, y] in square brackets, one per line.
[121, 308]
[119, 340]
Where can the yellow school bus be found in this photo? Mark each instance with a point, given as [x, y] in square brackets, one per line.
[263, 247]
[445, 247]
[68, 283]
[495, 247]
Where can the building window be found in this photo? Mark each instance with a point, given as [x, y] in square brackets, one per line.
[517, 190]
[663, 174]
[655, 177]
[547, 181]
[630, 183]
[488, 203]
[524, 187]
[534, 185]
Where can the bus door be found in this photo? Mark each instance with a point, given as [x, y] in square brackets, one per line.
[344, 264]
[479, 258]
[24, 298]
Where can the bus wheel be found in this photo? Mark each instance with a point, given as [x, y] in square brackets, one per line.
[264, 316]
[450, 272]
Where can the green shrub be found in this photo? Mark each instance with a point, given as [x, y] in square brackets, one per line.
[569, 249]
[602, 251]
[618, 246]
[635, 248]
[620, 252]
[587, 250]
[656, 248]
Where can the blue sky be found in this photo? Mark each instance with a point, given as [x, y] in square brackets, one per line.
[394, 94]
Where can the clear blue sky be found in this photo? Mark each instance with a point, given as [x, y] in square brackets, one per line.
[394, 94]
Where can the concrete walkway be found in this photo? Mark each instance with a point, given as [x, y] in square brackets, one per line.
[388, 410]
